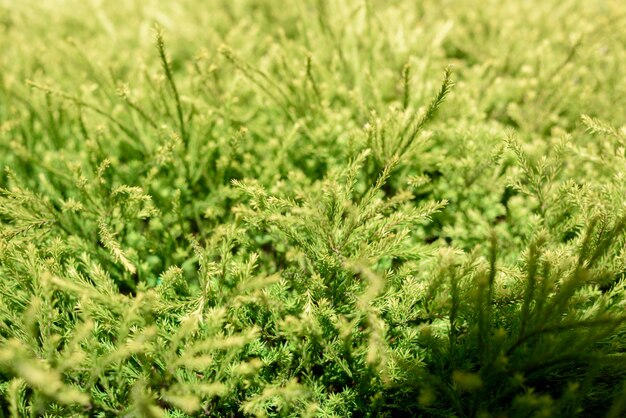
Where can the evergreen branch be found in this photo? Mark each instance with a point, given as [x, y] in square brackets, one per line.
[170, 79]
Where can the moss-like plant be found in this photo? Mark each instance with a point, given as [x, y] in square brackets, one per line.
[329, 208]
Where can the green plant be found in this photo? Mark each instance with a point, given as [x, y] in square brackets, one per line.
[304, 210]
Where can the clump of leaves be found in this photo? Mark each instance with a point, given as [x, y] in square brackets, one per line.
[295, 214]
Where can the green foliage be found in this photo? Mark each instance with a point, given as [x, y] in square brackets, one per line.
[325, 208]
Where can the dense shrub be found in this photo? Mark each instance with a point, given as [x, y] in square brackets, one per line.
[329, 208]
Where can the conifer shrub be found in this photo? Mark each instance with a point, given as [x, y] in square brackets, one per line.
[328, 208]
